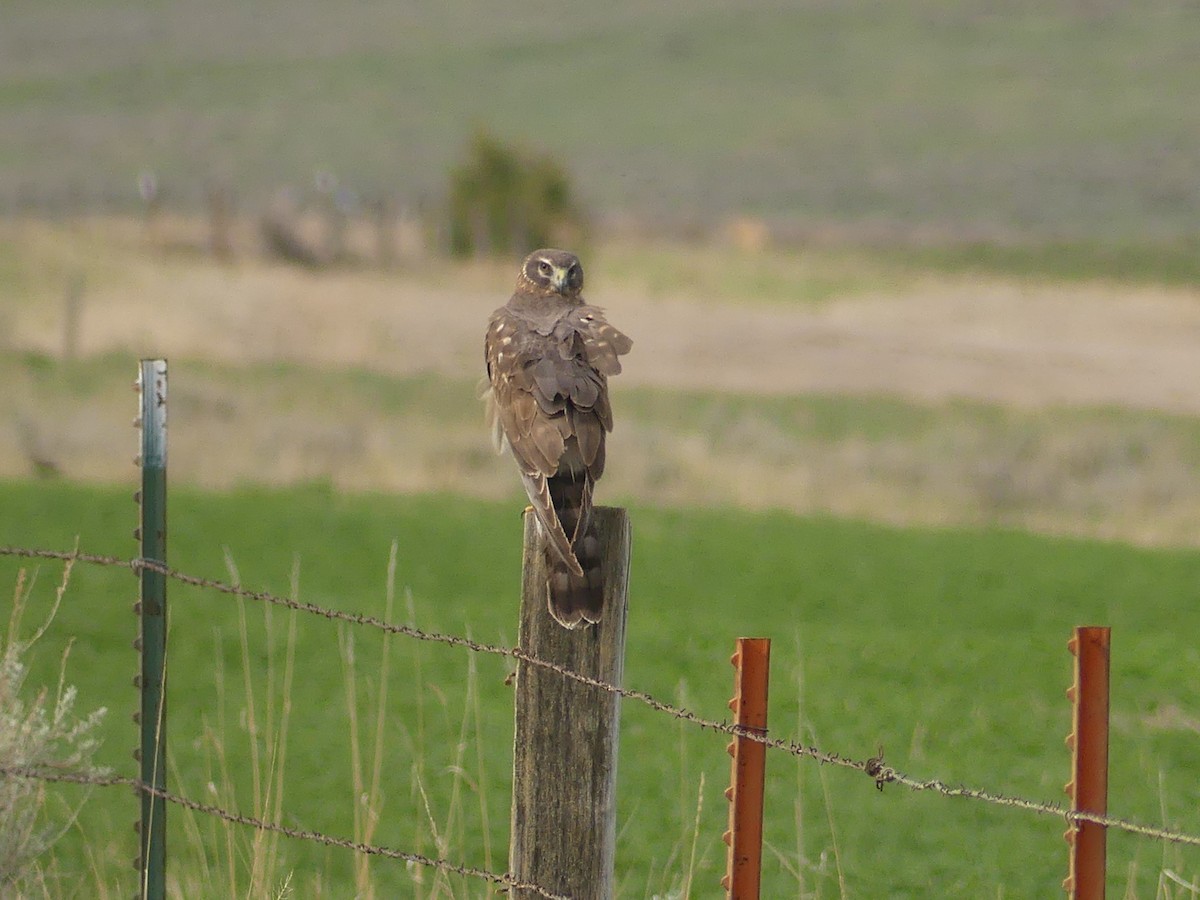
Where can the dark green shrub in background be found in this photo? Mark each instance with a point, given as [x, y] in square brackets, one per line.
[505, 201]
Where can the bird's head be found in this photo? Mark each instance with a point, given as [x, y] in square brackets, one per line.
[552, 272]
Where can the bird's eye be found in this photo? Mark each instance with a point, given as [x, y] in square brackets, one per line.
[544, 267]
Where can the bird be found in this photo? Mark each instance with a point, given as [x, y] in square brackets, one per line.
[549, 355]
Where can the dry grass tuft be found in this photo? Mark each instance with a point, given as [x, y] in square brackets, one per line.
[40, 732]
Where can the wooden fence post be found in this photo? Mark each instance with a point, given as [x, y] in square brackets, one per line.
[152, 640]
[565, 743]
[1088, 741]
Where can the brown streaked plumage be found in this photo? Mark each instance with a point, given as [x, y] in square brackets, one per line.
[549, 356]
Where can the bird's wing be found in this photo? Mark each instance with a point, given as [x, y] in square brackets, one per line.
[549, 402]
[600, 348]
[528, 407]
[603, 343]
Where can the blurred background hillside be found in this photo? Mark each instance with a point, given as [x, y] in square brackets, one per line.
[1006, 120]
[979, 217]
[915, 263]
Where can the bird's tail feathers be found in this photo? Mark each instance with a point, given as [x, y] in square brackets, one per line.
[576, 600]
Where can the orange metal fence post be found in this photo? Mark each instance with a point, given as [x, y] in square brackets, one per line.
[745, 792]
[1088, 740]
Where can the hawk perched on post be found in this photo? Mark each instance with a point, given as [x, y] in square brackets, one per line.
[548, 358]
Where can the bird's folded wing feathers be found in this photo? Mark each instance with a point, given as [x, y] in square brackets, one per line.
[533, 372]
[538, 489]
[602, 343]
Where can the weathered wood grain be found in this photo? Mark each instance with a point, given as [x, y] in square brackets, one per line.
[565, 746]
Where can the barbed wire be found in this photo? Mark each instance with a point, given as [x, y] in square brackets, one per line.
[874, 767]
[506, 880]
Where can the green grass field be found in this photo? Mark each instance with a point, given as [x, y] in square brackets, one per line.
[946, 648]
[1065, 121]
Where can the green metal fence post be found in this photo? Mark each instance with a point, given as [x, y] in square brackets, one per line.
[152, 533]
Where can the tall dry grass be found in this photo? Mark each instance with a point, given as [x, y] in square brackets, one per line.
[239, 862]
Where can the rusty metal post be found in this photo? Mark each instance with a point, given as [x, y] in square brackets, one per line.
[743, 867]
[1088, 741]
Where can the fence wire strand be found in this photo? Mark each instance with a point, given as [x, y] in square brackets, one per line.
[506, 880]
[875, 767]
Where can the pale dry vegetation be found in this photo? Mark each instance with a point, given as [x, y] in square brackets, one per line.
[40, 730]
[1065, 408]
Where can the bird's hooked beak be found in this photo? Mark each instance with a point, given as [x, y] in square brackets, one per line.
[558, 278]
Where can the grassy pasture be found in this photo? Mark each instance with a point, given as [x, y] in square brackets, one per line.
[1070, 120]
[944, 647]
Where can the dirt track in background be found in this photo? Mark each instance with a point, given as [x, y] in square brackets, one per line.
[1025, 346]
[1004, 342]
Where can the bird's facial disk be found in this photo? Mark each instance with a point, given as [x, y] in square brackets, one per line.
[562, 275]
